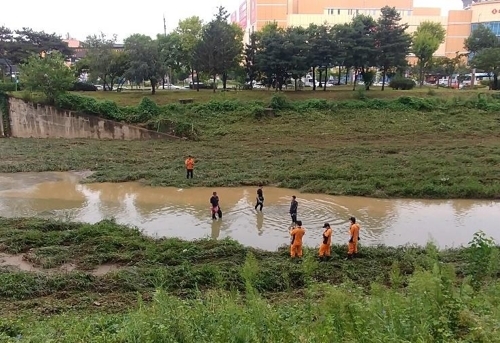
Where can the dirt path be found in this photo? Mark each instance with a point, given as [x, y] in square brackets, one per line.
[18, 262]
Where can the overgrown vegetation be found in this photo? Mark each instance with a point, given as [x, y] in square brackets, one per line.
[405, 147]
[195, 290]
[4, 110]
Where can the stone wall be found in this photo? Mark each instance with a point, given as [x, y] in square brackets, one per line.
[29, 120]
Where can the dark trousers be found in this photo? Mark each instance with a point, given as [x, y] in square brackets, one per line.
[260, 204]
[189, 173]
[294, 217]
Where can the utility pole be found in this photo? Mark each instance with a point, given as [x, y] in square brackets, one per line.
[164, 25]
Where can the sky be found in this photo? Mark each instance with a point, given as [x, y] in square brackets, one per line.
[127, 17]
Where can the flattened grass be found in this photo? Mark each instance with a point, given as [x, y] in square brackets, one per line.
[451, 153]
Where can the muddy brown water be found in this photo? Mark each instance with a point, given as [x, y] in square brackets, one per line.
[184, 213]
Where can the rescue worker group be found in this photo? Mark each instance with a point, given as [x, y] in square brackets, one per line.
[297, 231]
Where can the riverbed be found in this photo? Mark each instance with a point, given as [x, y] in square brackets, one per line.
[184, 213]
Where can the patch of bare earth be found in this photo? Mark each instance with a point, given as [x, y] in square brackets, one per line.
[18, 262]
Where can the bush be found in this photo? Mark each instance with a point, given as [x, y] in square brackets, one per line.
[402, 83]
[7, 87]
[280, 102]
[83, 87]
[147, 110]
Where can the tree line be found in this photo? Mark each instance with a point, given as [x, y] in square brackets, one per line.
[273, 56]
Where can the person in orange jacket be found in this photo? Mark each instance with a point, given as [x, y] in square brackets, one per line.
[326, 244]
[189, 166]
[297, 233]
[353, 239]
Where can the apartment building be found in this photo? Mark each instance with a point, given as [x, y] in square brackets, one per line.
[252, 15]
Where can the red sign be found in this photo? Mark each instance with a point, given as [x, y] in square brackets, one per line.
[234, 17]
[243, 15]
[253, 11]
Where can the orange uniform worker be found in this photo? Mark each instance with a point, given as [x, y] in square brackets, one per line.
[353, 239]
[326, 244]
[189, 166]
[297, 233]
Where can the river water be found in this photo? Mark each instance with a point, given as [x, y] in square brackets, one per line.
[184, 213]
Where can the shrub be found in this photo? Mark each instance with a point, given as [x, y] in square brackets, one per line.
[147, 110]
[402, 83]
[280, 102]
[7, 87]
[83, 87]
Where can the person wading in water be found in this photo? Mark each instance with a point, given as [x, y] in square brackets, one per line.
[214, 202]
[293, 209]
[260, 199]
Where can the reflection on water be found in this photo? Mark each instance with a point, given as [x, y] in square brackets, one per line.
[185, 213]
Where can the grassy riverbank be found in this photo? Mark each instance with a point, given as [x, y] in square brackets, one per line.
[409, 147]
[219, 291]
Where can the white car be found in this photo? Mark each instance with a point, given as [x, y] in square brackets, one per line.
[170, 86]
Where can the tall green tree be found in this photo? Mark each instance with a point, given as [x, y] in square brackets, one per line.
[190, 30]
[322, 47]
[19, 45]
[273, 55]
[171, 53]
[221, 47]
[251, 68]
[361, 49]
[425, 42]
[488, 59]
[392, 41]
[99, 57]
[48, 75]
[341, 46]
[144, 60]
[481, 38]
[296, 40]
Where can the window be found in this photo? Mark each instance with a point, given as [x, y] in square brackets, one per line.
[409, 13]
[338, 11]
[349, 12]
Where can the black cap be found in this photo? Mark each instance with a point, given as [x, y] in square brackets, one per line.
[326, 225]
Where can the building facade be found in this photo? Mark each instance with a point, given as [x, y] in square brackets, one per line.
[253, 15]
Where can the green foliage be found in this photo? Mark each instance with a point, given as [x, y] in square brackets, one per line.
[197, 289]
[483, 259]
[147, 110]
[220, 48]
[426, 40]
[4, 109]
[402, 83]
[19, 45]
[392, 40]
[47, 75]
[280, 102]
[481, 38]
[8, 87]
[83, 87]
[104, 63]
[488, 60]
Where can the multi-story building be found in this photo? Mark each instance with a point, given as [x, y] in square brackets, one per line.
[252, 15]
[80, 51]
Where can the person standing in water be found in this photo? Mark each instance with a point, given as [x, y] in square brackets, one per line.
[260, 198]
[326, 244]
[189, 166]
[297, 233]
[214, 202]
[353, 239]
[293, 209]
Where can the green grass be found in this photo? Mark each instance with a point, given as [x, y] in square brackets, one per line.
[170, 290]
[444, 150]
